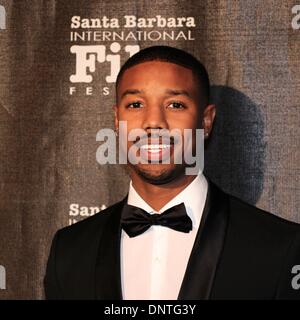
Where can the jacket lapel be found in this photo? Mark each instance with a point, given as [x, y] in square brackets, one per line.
[201, 269]
[108, 265]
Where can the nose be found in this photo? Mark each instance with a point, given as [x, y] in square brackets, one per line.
[155, 117]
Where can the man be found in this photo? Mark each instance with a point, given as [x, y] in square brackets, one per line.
[175, 236]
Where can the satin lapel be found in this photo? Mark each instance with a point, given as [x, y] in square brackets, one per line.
[108, 266]
[203, 261]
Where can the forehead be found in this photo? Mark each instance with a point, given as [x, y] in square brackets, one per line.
[157, 75]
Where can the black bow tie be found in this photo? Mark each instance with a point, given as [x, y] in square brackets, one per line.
[135, 220]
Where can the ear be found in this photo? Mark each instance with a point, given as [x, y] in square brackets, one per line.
[208, 118]
[116, 117]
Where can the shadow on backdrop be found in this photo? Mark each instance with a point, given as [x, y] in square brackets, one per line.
[235, 153]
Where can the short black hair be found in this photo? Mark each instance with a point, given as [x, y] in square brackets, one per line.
[172, 55]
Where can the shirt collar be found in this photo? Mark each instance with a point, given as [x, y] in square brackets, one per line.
[193, 196]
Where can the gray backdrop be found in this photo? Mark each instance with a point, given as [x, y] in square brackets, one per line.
[48, 144]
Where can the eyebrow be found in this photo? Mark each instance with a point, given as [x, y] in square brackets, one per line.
[175, 92]
[131, 91]
[171, 92]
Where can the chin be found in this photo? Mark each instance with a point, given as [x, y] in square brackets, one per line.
[157, 175]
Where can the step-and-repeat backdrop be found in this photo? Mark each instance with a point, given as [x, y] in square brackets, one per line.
[58, 65]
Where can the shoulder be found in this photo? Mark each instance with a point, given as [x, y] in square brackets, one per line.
[248, 216]
[259, 253]
[91, 227]
[246, 213]
[252, 227]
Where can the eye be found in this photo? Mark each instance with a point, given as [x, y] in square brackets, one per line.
[134, 105]
[176, 105]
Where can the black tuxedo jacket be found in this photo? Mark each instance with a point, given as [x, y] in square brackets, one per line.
[240, 252]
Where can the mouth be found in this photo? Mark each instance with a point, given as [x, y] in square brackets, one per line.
[156, 152]
[152, 148]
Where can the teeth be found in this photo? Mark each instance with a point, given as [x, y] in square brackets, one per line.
[155, 146]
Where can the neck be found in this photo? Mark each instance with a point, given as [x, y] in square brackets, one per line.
[159, 195]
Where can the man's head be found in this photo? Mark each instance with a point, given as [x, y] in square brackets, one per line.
[162, 88]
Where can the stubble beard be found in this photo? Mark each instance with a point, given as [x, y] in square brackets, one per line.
[160, 177]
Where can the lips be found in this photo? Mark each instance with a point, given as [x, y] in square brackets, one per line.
[156, 152]
[154, 147]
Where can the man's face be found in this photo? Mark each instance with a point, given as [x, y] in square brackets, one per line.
[158, 95]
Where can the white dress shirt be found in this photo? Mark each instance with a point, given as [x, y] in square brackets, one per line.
[153, 263]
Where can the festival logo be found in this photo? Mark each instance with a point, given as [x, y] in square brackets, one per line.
[120, 37]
